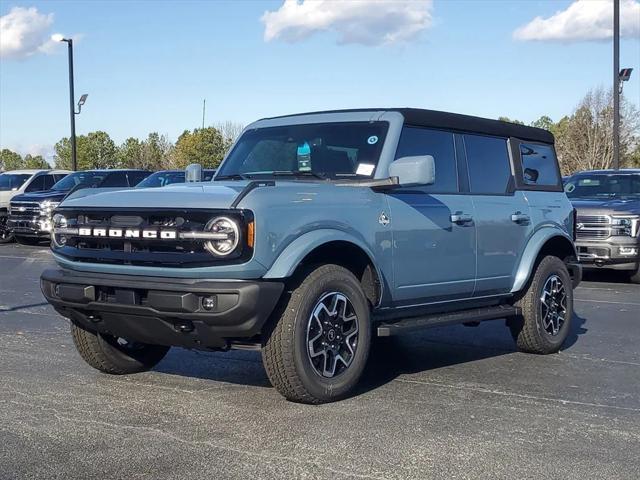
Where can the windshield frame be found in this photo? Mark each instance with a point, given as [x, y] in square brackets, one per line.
[574, 179]
[225, 172]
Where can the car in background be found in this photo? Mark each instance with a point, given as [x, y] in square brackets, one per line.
[17, 182]
[608, 219]
[169, 177]
[30, 213]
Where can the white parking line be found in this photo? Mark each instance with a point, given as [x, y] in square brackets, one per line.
[607, 301]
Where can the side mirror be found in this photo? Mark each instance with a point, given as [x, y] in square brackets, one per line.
[413, 171]
[193, 173]
[531, 175]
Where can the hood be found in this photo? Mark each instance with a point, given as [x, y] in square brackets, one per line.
[198, 195]
[5, 196]
[608, 206]
[51, 195]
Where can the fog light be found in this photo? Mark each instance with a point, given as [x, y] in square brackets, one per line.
[209, 303]
[628, 251]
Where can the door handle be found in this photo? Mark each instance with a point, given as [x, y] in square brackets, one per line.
[520, 218]
[460, 218]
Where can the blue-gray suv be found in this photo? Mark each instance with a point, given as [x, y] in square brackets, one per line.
[319, 233]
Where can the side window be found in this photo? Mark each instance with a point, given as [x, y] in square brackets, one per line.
[440, 145]
[539, 165]
[59, 176]
[116, 179]
[49, 180]
[36, 184]
[488, 161]
[136, 177]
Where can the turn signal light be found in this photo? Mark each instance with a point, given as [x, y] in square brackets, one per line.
[251, 234]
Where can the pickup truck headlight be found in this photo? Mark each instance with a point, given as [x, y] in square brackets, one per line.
[47, 207]
[626, 224]
[229, 236]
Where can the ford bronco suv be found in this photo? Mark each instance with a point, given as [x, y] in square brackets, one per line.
[319, 232]
[608, 225]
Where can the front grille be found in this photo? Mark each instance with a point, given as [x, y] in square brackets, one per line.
[24, 210]
[593, 227]
[171, 251]
[594, 219]
[594, 234]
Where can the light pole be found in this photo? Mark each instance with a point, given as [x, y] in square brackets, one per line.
[72, 113]
[616, 84]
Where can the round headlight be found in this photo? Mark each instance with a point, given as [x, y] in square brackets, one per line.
[229, 233]
[58, 221]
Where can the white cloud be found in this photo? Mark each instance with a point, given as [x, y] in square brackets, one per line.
[367, 22]
[24, 32]
[583, 20]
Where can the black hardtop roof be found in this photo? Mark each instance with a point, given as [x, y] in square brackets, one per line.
[454, 121]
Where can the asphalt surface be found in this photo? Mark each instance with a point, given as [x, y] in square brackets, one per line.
[453, 402]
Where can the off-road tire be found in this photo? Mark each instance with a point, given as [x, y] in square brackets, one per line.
[527, 330]
[284, 351]
[27, 240]
[103, 353]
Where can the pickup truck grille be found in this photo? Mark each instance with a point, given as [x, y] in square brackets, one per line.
[165, 248]
[24, 210]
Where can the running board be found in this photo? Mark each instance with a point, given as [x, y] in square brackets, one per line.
[438, 320]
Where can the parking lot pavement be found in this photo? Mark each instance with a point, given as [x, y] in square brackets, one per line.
[452, 402]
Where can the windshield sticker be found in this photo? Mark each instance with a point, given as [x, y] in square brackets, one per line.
[372, 140]
[304, 157]
[365, 169]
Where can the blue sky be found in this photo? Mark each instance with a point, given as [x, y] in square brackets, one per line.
[147, 66]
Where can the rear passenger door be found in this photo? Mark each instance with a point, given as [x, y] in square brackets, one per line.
[502, 216]
[434, 239]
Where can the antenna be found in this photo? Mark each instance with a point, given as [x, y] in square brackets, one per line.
[204, 108]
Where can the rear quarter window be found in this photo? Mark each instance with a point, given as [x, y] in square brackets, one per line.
[539, 166]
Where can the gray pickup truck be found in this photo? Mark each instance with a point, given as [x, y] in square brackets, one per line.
[320, 232]
[608, 225]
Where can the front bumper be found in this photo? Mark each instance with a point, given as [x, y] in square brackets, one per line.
[163, 311]
[34, 227]
[606, 254]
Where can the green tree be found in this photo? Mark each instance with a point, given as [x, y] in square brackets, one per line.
[507, 119]
[35, 162]
[157, 152]
[130, 154]
[94, 150]
[205, 146]
[545, 123]
[10, 160]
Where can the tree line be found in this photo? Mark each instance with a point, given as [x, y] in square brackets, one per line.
[584, 141]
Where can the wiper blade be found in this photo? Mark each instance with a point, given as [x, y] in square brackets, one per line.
[290, 173]
[232, 176]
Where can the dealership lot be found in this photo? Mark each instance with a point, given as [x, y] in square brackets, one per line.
[452, 402]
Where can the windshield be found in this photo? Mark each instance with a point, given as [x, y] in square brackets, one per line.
[603, 186]
[331, 150]
[161, 179]
[12, 181]
[79, 178]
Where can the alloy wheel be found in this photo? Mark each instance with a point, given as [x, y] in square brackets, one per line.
[553, 305]
[332, 335]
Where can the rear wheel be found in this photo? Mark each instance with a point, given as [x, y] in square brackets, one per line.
[115, 355]
[27, 240]
[6, 235]
[316, 351]
[547, 308]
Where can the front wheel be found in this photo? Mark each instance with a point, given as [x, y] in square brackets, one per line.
[6, 235]
[316, 351]
[547, 308]
[635, 276]
[115, 355]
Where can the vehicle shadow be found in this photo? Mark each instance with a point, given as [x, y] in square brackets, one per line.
[390, 357]
[605, 276]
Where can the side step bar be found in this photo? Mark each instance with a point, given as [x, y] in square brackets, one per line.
[440, 319]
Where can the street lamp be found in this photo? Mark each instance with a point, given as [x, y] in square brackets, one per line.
[72, 112]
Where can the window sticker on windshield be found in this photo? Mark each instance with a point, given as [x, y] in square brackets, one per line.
[304, 157]
[365, 169]
[372, 140]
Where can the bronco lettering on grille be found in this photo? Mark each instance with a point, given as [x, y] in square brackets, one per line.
[128, 233]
